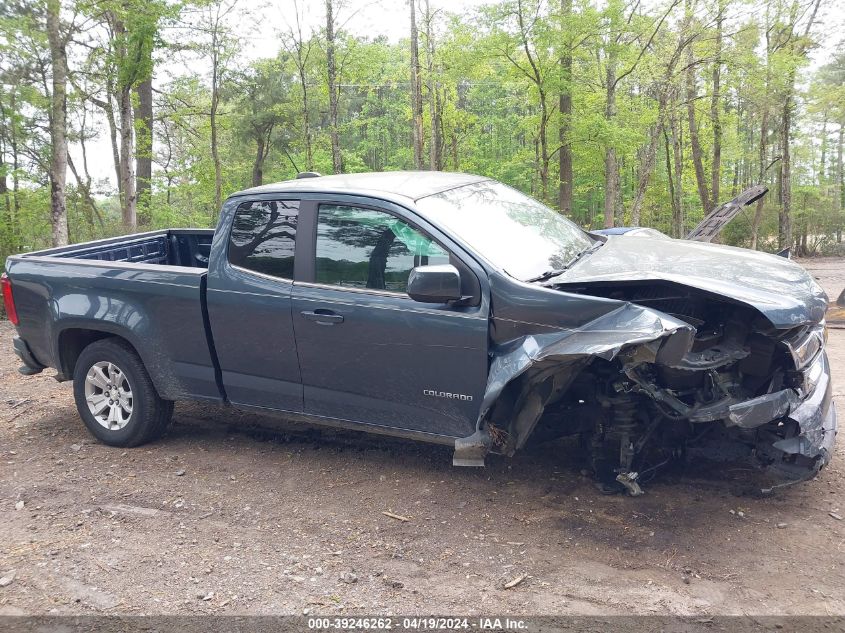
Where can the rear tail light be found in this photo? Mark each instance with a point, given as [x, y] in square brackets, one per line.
[8, 300]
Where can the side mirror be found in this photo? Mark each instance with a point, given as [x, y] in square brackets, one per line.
[435, 284]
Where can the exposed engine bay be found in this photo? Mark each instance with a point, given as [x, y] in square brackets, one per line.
[724, 385]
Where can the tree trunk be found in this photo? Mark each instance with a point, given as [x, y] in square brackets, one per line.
[334, 133]
[306, 119]
[715, 111]
[746, 136]
[16, 202]
[258, 165]
[436, 145]
[107, 107]
[262, 136]
[822, 174]
[437, 127]
[215, 103]
[611, 167]
[670, 178]
[144, 147]
[785, 215]
[126, 176]
[764, 136]
[544, 145]
[58, 126]
[840, 184]
[678, 165]
[416, 91]
[5, 220]
[695, 144]
[9, 221]
[565, 105]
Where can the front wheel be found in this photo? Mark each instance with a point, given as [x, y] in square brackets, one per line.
[115, 396]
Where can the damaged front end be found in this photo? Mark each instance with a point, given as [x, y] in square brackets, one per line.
[663, 372]
[764, 397]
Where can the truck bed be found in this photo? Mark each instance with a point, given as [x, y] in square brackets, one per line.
[171, 247]
[148, 288]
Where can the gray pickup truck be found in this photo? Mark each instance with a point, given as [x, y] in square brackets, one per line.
[447, 308]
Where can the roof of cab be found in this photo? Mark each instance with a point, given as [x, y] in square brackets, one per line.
[409, 184]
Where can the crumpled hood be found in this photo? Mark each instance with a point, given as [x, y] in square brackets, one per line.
[778, 288]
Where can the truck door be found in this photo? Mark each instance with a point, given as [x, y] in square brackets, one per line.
[368, 352]
[249, 304]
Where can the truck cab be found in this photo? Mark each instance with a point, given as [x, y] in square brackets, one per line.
[318, 281]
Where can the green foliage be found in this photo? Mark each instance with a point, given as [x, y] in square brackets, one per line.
[490, 72]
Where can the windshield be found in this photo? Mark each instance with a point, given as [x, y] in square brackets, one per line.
[512, 231]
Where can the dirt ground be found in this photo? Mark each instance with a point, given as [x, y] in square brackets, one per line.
[223, 517]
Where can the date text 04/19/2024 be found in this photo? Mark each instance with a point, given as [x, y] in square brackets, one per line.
[417, 624]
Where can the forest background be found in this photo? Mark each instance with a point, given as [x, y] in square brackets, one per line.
[126, 115]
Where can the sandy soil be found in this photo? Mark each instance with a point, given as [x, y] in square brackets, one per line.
[222, 516]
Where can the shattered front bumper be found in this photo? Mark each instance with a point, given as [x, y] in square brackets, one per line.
[794, 434]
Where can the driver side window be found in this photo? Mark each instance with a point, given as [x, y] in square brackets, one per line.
[364, 248]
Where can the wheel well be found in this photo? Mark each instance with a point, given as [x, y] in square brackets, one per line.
[71, 343]
[522, 403]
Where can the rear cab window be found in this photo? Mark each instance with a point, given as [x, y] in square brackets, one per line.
[263, 237]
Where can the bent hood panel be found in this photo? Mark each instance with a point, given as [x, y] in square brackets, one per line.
[780, 289]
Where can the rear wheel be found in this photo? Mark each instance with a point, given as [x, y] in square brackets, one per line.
[115, 396]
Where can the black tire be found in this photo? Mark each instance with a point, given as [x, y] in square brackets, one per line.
[149, 414]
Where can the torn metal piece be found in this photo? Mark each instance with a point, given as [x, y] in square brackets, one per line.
[604, 337]
[471, 451]
[516, 581]
[711, 358]
[709, 412]
[629, 480]
[719, 217]
[758, 411]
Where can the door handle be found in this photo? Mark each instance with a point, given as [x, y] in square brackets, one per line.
[322, 316]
